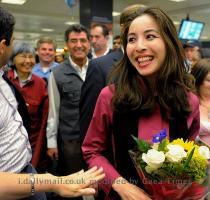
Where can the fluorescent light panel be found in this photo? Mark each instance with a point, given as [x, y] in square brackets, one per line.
[178, 0]
[204, 37]
[176, 22]
[114, 14]
[47, 29]
[70, 23]
[18, 2]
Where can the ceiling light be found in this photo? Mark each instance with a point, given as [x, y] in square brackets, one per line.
[18, 2]
[70, 23]
[47, 29]
[114, 14]
[60, 50]
[178, 0]
[176, 22]
[204, 37]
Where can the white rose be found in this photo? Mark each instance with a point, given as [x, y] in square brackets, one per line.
[204, 151]
[154, 159]
[175, 153]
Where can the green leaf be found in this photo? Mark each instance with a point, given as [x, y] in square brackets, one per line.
[163, 145]
[141, 145]
[187, 161]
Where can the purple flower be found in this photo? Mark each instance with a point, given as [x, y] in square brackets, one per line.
[159, 136]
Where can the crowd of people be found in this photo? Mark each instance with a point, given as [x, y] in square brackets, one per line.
[79, 110]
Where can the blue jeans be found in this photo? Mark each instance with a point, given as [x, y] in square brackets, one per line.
[37, 196]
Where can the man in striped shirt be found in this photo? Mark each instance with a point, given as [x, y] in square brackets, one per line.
[15, 149]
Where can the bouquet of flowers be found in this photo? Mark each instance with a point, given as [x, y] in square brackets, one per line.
[172, 170]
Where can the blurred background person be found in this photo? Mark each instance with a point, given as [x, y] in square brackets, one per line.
[201, 72]
[46, 49]
[97, 74]
[34, 91]
[116, 42]
[99, 37]
[192, 52]
[59, 57]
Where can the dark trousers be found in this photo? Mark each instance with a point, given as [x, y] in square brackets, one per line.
[70, 159]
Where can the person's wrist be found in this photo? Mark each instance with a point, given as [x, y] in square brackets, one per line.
[32, 182]
[51, 182]
[54, 183]
[118, 183]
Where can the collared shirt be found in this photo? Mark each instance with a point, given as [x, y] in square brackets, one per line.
[94, 54]
[22, 82]
[80, 70]
[54, 104]
[15, 150]
[37, 69]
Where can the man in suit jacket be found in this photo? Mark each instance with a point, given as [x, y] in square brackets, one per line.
[97, 73]
[96, 79]
[99, 36]
[15, 151]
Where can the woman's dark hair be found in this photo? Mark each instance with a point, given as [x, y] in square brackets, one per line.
[105, 30]
[134, 93]
[200, 71]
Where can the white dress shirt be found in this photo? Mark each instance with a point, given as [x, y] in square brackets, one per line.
[94, 54]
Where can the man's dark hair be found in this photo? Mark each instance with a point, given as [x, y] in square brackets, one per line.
[78, 28]
[105, 30]
[116, 37]
[7, 22]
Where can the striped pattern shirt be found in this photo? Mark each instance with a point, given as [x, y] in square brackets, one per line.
[15, 150]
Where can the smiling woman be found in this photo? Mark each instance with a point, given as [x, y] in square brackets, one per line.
[143, 98]
[24, 63]
[145, 47]
[34, 91]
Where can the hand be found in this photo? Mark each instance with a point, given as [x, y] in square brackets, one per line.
[53, 153]
[79, 183]
[128, 191]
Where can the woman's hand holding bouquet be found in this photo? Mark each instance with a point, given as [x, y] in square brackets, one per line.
[172, 170]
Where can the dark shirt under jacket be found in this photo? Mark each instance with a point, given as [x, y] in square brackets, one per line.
[96, 80]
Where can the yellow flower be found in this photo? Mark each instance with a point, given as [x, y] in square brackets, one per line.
[187, 145]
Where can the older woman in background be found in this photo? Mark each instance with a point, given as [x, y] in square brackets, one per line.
[34, 91]
[201, 72]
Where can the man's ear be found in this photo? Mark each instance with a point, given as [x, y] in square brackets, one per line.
[2, 46]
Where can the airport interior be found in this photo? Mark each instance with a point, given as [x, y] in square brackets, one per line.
[36, 18]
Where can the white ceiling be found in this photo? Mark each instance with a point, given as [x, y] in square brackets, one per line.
[37, 14]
